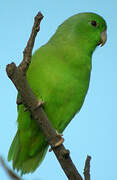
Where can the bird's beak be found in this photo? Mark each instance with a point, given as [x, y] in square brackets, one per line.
[103, 38]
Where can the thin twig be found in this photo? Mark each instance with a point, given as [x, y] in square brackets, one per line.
[27, 53]
[9, 171]
[87, 168]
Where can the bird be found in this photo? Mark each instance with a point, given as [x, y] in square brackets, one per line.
[59, 75]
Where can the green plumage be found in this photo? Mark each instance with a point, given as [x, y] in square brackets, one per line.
[59, 74]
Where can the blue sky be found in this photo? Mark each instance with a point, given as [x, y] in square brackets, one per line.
[93, 130]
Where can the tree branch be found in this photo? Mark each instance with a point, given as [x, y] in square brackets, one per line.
[87, 168]
[27, 53]
[17, 76]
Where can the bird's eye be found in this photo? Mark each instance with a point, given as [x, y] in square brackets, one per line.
[94, 23]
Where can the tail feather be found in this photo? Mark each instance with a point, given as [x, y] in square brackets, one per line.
[31, 163]
[13, 148]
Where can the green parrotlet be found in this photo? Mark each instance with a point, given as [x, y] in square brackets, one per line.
[59, 74]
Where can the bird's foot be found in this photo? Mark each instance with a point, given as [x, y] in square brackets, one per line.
[19, 101]
[59, 134]
[39, 104]
[25, 109]
[59, 142]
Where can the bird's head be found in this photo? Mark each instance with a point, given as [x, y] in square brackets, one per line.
[91, 28]
[86, 30]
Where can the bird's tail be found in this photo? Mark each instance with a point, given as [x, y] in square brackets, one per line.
[31, 163]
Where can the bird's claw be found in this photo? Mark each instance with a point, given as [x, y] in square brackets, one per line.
[19, 101]
[25, 109]
[59, 142]
[59, 134]
[39, 104]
